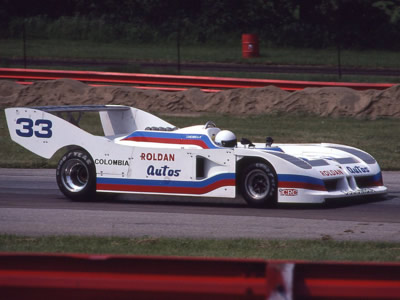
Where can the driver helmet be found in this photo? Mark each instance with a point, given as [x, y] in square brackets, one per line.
[226, 138]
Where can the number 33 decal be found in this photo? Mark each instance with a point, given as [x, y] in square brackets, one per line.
[41, 128]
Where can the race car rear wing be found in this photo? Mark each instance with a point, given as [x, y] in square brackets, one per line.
[68, 112]
[80, 108]
[46, 129]
[115, 119]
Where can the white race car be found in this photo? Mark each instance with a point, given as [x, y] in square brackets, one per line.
[141, 153]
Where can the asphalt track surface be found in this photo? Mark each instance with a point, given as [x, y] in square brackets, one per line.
[31, 204]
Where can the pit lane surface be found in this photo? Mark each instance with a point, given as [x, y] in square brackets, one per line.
[31, 204]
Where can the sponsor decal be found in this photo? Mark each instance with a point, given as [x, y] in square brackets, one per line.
[163, 171]
[111, 162]
[331, 172]
[358, 192]
[193, 136]
[358, 170]
[158, 156]
[288, 192]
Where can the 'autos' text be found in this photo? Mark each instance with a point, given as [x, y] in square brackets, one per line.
[357, 170]
[163, 171]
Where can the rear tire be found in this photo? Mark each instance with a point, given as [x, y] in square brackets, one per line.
[258, 185]
[76, 175]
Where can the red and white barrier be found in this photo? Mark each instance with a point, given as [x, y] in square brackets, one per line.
[173, 82]
[53, 276]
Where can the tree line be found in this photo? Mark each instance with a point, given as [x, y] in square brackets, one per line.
[312, 23]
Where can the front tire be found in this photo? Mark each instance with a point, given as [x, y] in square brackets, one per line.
[258, 185]
[76, 175]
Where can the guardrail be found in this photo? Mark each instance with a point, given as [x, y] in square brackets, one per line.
[51, 276]
[174, 82]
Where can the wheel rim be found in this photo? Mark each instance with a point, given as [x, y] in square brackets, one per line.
[257, 184]
[74, 175]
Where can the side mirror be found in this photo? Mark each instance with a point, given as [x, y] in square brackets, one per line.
[245, 142]
[268, 141]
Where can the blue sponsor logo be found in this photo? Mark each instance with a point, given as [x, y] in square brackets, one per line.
[163, 171]
[358, 170]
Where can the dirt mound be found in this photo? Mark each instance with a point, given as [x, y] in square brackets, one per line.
[329, 101]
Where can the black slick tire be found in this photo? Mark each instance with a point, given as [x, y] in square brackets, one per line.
[76, 175]
[258, 185]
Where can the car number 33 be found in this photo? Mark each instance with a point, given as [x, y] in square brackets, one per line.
[41, 128]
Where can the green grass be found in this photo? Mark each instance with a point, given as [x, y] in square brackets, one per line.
[12, 48]
[314, 250]
[132, 54]
[378, 137]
